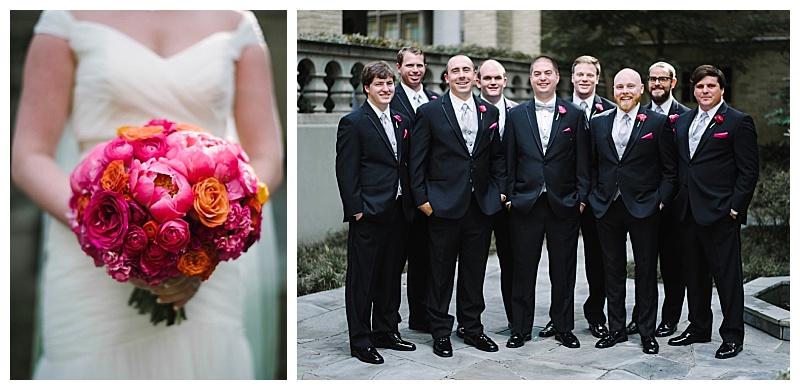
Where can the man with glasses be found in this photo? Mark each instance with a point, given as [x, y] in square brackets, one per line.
[660, 83]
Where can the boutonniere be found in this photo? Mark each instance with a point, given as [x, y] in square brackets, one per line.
[561, 111]
[493, 126]
[673, 118]
[398, 119]
[717, 119]
[508, 106]
[434, 97]
[482, 109]
[641, 118]
[599, 107]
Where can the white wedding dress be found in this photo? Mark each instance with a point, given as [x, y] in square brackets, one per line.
[87, 330]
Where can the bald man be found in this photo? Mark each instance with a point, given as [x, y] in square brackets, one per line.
[458, 175]
[633, 177]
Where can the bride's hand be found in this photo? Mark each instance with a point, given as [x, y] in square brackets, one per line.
[176, 291]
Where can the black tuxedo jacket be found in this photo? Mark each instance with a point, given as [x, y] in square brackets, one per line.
[600, 105]
[674, 108]
[366, 169]
[723, 172]
[401, 103]
[441, 168]
[565, 167]
[645, 174]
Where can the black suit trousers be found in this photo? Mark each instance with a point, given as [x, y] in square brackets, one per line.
[670, 260]
[466, 239]
[505, 256]
[613, 229]
[593, 308]
[714, 252]
[417, 276]
[374, 270]
[527, 236]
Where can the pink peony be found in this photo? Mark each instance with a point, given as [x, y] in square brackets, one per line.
[86, 176]
[169, 127]
[163, 191]
[173, 235]
[105, 220]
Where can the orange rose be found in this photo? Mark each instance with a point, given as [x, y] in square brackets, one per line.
[210, 269]
[194, 263]
[211, 202]
[150, 228]
[135, 133]
[188, 127]
[263, 193]
[114, 177]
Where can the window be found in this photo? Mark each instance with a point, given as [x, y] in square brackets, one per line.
[411, 26]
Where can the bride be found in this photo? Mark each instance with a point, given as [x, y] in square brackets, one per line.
[88, 73]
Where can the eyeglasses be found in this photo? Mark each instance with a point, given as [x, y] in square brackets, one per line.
[661, 80]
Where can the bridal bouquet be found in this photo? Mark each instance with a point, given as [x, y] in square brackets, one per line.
[164, 200]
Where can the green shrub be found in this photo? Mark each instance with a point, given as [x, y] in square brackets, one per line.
[322, 266]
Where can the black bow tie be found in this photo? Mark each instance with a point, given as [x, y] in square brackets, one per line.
[546, 107]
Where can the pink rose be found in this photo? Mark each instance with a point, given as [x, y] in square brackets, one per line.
[158, 264]
[397, 117]
[118, 149]
[482, 108]
[641, 117]
[562, 110]
[173, 235]
[718, 118]
[150, 147]
[434, 97]
[105, 220]
[163, 191]
[673, 118]
[599, 107]
[135, 241]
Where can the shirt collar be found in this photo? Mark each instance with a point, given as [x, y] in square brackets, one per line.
[632, 113]
[378, 111]
[713, 110]
[577, 100]
[551, 101]
[410, 92]
[457, 102]
[664, 106]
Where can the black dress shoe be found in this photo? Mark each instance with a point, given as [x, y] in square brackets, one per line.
[666, 329]
[367, 355]
[632, 328]
[568, 339]
[598, 330]
[442, 347]
[482, 342]
[460, 332]
[393, 341]
[728, 349]
[548, 330]
[649, 345]
[517, 340]
[611, 339]
[687, 338]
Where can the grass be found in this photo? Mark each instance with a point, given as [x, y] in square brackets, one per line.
[322, 266]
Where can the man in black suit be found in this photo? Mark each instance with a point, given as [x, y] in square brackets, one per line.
[717, 175]
[548, 154]
[457, 178]
[412, 94]
[371, 158]
[660, 82]
[585, 77]
[492, 81]
[633, 177]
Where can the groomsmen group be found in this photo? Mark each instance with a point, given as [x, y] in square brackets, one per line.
[427, 179]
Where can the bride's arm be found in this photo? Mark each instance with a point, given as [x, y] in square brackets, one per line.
[256, 115]
[43, 109]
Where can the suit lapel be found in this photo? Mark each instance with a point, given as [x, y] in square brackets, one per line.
[711, 124]
[401, 94]
[609, 121]
[450, 114]
[531, 111]
[479, 134]
[636, 131]
[377, 125]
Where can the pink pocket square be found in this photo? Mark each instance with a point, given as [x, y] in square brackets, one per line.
[493, 126]
[567, 130]
[648, 136]
[721, 135]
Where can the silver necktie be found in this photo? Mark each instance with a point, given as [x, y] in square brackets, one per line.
[466, 127]
[659, 110]
[387, 128]
[624, 134]
[697, 132]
